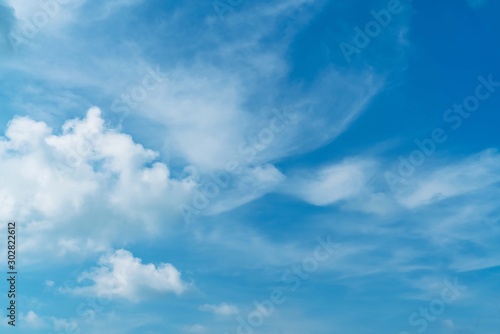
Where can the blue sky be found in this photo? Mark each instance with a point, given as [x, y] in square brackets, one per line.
[267, 167]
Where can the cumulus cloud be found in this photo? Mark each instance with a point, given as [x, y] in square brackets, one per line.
[208, 106]
[120, 275]
[72, 191]
[222, 309]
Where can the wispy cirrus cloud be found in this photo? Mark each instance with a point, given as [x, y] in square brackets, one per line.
[333, 183]
[222, 309]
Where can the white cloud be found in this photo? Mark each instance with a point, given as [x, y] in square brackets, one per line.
[250, 184]
[31, 320]
[122, 276]
[25, 10]
[41, 17]
[206, 108]
[194, 329]
[210, 105]
[65, 325]
[331, 184]
[105, 9]
[61, 186]
[474, 173]
[203, 109]
[222, 309]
